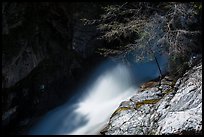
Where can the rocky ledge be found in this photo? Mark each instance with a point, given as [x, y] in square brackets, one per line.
[171, 107]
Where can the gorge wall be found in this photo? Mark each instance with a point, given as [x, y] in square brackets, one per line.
[46, 52]
[172, 108]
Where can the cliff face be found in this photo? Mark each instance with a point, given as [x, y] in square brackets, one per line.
[46, 50]
[34, 32]
[45, 54]
[174, 107]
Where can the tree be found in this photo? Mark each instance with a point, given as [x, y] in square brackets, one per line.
[148, 29]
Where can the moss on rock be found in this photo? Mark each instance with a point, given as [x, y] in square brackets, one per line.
[151, 101]
[118, 110]
[148, 85]
[168, 91]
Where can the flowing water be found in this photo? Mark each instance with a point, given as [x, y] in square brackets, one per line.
[94, 102]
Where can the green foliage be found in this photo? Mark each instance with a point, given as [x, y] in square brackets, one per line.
[197, 5]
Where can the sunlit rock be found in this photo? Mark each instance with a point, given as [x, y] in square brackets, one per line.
[177, 111]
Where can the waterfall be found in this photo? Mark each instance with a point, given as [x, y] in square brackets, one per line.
[93, 106]
[95, 100]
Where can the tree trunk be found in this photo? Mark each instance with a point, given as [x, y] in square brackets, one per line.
[160, 77]
[158, 66]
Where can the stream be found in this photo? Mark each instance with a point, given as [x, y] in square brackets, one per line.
[89, 110]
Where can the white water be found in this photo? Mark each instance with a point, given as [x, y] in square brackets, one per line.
[94, 106]
[103, 98]
[89, 109]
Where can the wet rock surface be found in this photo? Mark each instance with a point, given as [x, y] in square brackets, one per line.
[174, 107]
